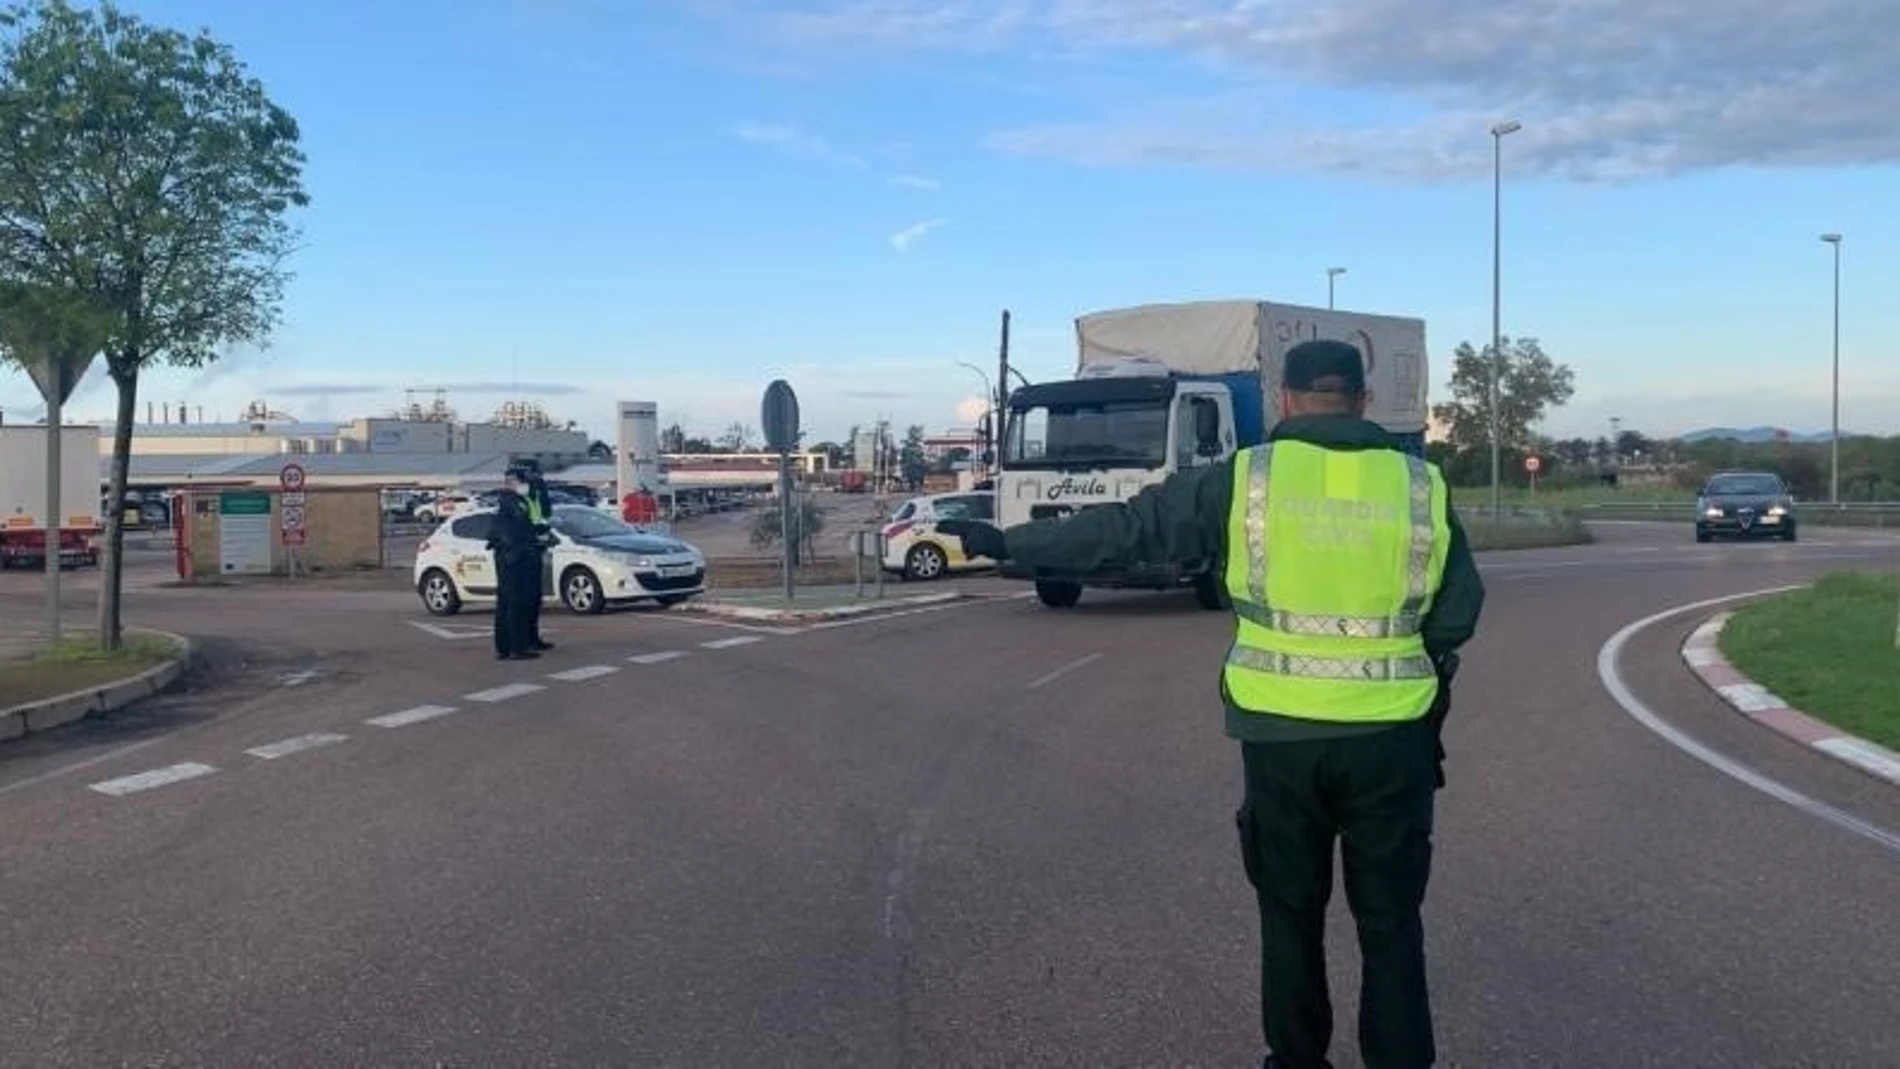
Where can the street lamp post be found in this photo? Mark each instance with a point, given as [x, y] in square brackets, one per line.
[1834, 438]
[1331, 274]
[993, 438]
[1498, 132]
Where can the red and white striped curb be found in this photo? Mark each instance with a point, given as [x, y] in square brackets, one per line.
[1761, 705]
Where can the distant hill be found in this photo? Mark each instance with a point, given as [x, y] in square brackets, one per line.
[1756, 434]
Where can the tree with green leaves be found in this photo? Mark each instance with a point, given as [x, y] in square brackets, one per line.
[911, 462]
[1530, 383]
[147, 170]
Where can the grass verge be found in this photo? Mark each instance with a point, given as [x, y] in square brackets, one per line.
[1828, 651]
[76, 665]
[1527, 530]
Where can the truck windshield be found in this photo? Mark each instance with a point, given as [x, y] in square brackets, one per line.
[1116, 434]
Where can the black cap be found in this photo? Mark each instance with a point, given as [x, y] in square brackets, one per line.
[1324, 367]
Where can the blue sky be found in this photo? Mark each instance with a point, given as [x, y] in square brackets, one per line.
[680, 202]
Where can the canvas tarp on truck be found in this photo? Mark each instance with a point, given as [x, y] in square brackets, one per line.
[1229, 337]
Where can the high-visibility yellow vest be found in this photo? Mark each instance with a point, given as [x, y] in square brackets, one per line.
[1333, 560]
[534, 510]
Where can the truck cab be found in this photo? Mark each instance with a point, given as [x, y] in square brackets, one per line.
[1101, 440]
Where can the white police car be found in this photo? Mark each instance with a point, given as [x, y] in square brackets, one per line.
[596, 561]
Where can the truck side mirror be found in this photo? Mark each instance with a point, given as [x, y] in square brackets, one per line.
[1207, 428]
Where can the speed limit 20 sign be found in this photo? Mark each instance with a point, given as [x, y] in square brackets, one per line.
[291, 514]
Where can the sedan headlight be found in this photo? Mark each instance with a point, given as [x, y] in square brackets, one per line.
[1778, 510]
[1712, 512]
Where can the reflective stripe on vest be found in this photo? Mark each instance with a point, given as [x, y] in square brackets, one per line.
[1292, 664]
[1258, 609]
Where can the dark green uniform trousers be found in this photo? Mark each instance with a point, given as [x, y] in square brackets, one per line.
[1372, 793]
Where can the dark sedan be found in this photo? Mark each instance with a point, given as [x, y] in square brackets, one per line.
[1745, 504]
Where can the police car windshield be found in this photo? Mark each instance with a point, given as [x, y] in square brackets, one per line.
[1119, 434]
[578, 522]
[1744, 485]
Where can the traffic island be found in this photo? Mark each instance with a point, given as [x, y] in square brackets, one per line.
[1819, 665]
[809, 604]
[1521, 528]
[50, 688]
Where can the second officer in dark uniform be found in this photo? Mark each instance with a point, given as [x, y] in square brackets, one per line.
[516, 545]
[541, 516]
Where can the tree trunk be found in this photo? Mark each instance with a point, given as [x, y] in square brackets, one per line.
[111, 627]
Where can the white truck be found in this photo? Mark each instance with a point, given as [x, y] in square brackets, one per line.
[23, 519]
[1164, 387]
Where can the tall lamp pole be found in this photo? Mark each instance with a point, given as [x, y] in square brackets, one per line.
[993, 437]
[1834, 439]
[1498, 133]
[1331, 274]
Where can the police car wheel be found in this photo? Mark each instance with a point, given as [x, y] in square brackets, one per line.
[924, 561]
[581, 592]
[439, 595]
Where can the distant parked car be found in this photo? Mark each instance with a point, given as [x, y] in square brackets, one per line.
[441, 507]
[596, 561]
[914, 549]
[1745, 504]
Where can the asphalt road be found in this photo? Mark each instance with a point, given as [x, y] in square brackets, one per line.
[982, 835]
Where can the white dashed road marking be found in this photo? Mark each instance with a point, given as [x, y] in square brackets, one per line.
[287, 747]
[502, 694]
[728, 643]
[410, 716]
[1065, 670]
[579, 675]
[145, 781]
[160, 777]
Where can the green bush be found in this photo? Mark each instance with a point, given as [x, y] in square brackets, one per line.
[768, 527]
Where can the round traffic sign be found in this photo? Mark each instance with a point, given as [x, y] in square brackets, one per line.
[778, 412]
[292, 476]
[1532, 465]
[293, 517]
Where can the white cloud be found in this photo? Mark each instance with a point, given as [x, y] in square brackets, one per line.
[794, 141]
[917, 182]
[910, 235]
[1608, 89]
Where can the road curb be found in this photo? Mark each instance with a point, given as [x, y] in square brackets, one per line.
[760, 615]
[1703, 655]
[48, 713]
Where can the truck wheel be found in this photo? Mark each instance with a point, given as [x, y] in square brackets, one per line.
[1058, 595]
[1210, 594]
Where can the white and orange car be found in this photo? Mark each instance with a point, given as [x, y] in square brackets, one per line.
[914, 549]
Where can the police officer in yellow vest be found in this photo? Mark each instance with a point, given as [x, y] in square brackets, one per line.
[541, 516]
[1352, 588]
[515, 543]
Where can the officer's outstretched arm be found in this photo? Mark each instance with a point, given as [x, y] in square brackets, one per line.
[1181, 519]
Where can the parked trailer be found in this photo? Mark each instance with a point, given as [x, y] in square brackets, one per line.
[23, 519]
